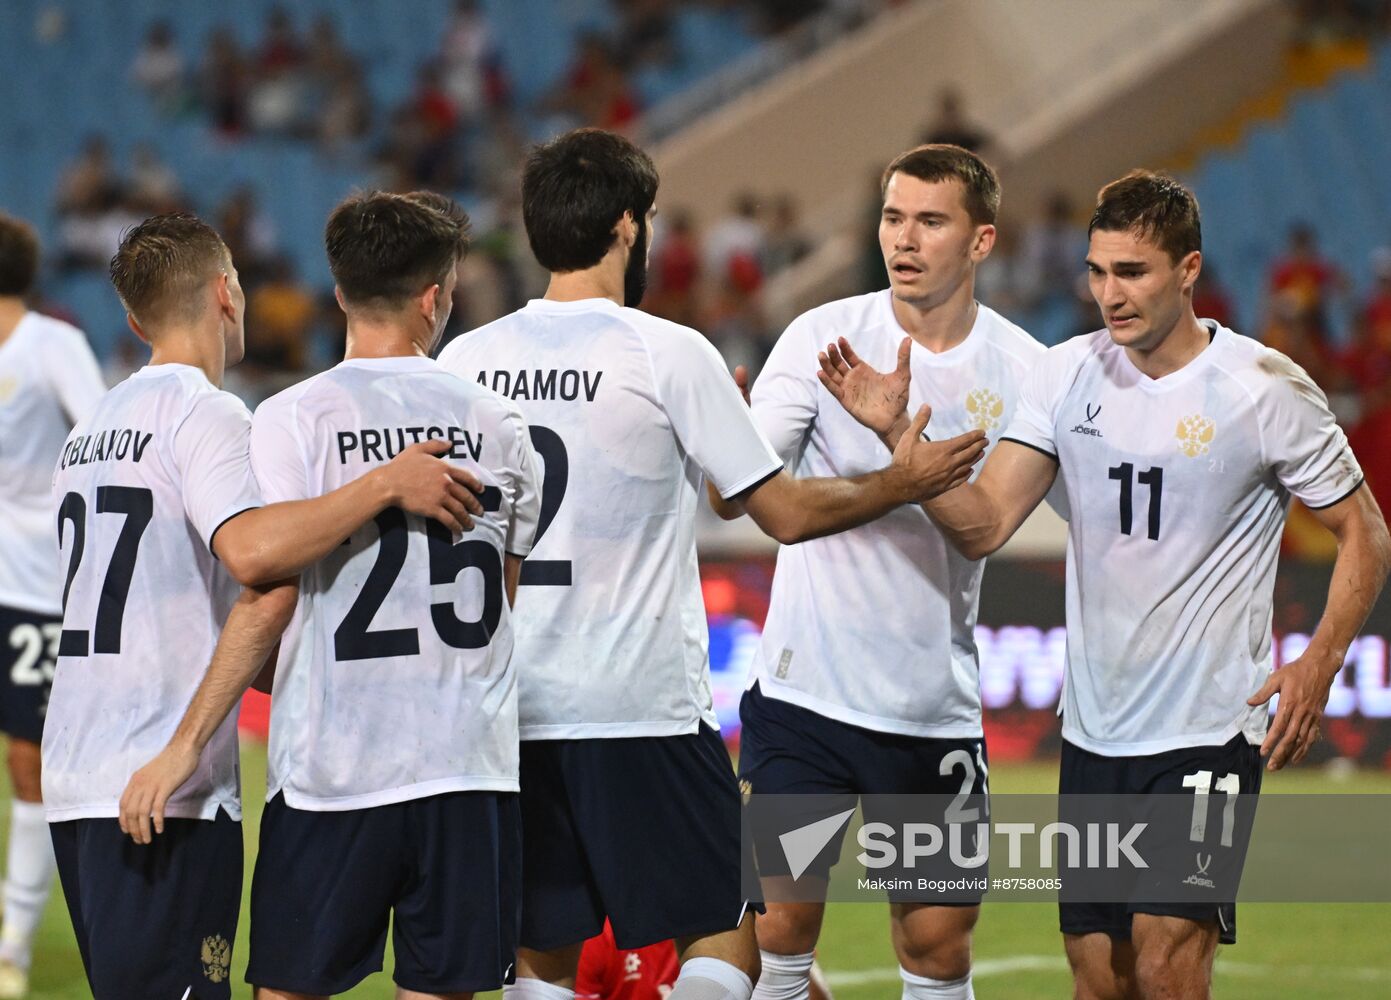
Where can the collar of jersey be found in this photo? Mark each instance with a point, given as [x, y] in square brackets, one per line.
[407, 362]
[1220, 336]
[951, 356]
[169, 368]
[575, 306]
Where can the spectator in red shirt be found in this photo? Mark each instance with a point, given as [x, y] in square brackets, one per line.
[433, 105]
[675, 270]
[281, 49]
[1305, 279]
[595, 90]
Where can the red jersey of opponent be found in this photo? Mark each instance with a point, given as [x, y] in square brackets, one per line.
[610, 973]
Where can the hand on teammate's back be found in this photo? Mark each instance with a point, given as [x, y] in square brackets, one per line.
[150, 789]
[927, 469]
[874, 398]
[422, 482]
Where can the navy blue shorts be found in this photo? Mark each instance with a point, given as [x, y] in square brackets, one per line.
[642, 830]
[446, 867]
[28, 652]
[153, 920]
[1086, 773]
[785, 749]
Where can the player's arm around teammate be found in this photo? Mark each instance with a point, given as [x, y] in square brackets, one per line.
[270, 543]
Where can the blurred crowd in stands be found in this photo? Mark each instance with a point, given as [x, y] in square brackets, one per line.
[459, 130]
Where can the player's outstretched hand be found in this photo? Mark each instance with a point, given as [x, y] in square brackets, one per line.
[876, 399]
[149, 789]
[929, 468]
[1303, 686]
[422, 483]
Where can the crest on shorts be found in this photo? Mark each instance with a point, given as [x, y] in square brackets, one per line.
[985, 408]
[216, 954]
[8, 385]
[1194, 435]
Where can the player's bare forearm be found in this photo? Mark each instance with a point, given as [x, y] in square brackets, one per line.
[1364, 556]
[282, 539]
[794, 510]
[979, 517]
[252, 631]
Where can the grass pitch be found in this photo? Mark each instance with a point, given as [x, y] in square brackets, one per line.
[1290, 951]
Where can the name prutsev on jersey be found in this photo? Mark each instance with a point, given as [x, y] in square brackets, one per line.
[548, 383]
[117, 444]
[382, 444]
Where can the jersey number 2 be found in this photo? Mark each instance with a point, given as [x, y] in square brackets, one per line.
[548, 572]
[354, 638]
[138, 505]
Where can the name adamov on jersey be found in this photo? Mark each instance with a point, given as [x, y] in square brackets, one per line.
[630, 415]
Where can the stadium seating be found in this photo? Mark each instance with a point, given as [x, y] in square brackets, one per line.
[1323, 163]
[535, 41]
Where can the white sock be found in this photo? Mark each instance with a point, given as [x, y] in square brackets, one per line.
[710, 979]
[28, 879]
[535, 989]
[784, 977]
[922, 988]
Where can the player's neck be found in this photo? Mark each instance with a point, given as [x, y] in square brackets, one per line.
[12, 310]
[1181, 345]
[602, 281]
[373, 338]
[197, 348]
[942, 325]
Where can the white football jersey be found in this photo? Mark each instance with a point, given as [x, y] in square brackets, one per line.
[49, 380]
[875, 626]
[395, 679]
[1179, 488]
[141, 487]
[628, 413]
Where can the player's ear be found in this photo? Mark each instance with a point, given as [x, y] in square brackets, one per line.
[627, 229]
[429, 303]
[223, 290]
[338, 297]
[134, 325]
[1191, 265]
[985, 242]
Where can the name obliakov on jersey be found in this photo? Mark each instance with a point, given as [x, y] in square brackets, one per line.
[117, 444]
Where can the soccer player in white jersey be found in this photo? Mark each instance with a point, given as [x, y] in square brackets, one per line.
[630, 805]
[159, 517]
[866, 678]
[1181, 444]
[49, 380]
